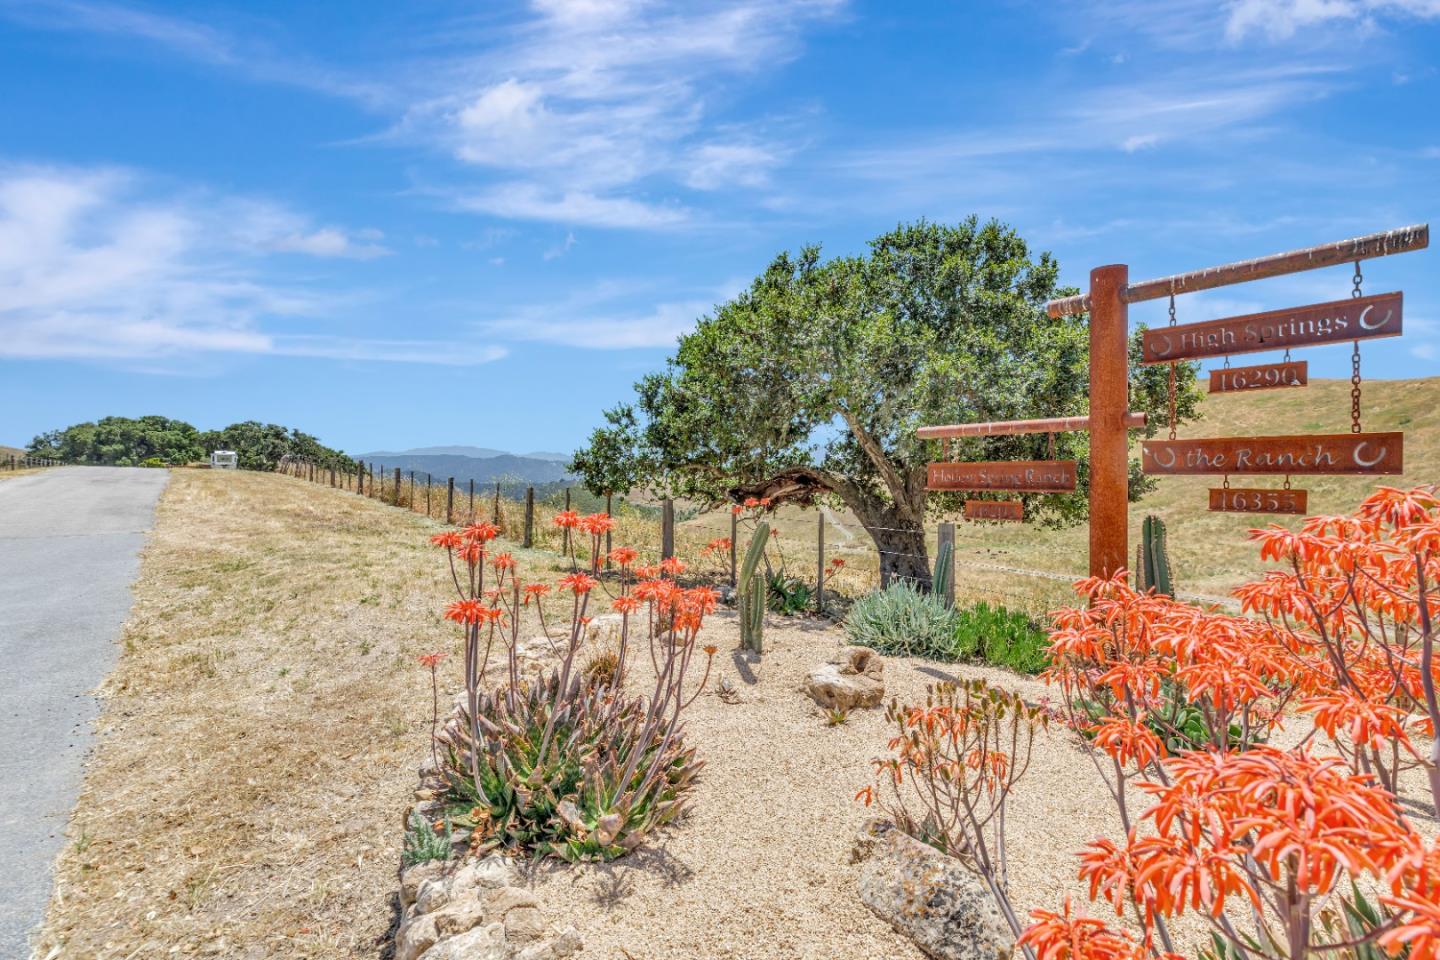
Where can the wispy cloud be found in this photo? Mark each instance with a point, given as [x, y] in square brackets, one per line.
[1278, 20]
[612, 315]
[193, 40]
[93, 265]
[598, 113]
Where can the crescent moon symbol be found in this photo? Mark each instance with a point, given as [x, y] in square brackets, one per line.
[1367, 463]
[1169, 460]
[1169, 345]
[1373, 326]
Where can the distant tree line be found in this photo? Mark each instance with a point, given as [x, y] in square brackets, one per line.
[131, 441]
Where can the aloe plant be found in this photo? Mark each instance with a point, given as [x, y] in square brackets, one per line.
[944, 570]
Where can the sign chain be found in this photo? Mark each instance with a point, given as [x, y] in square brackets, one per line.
[1355, 362]
[1172, 371]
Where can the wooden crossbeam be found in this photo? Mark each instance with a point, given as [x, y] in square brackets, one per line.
[1003, 428]
[1368, 247]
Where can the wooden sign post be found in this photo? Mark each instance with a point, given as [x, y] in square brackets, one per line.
[1111, 293]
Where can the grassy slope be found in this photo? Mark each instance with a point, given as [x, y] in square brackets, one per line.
[1208, 550]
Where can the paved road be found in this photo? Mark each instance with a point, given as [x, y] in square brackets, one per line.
[69, 548]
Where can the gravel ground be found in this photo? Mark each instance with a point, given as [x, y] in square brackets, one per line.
[761, 867]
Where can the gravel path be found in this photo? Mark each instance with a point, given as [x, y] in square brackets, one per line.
[69, 547]
[761, 867]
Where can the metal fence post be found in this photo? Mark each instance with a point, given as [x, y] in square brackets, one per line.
[565, 546]
[945, 536]
[609, 512]
[450, 502]
[667, 529]
[529, 540]
[820, 564]
[734, 535]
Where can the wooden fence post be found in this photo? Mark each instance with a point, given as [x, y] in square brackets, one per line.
[734, 535]
[947, 535]
[820, 564]
[412, 491]
[360, 477]
[471, 514]
[667, 529]
[429, 481]
[1109, 401]
[381, 493]
[529, 540]
[395, 500]
[609, 512]
[450, 502]
[495, 517]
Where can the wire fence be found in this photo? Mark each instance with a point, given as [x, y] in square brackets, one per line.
[21, 462]
[825, 561]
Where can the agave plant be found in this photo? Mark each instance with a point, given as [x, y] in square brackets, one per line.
[570, 765]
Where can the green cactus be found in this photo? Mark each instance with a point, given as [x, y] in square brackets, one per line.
[753, 591]
[1152, 560]
[944, 569]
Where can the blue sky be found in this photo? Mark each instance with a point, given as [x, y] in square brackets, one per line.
[420, 223]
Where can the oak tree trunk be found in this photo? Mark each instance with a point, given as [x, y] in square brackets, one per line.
[901, 543]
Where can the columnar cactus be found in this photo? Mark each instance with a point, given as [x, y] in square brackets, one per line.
[752, 587]
[1152, 566]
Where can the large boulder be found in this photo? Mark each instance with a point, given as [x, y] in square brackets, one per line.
[929, 897]
[855, 679]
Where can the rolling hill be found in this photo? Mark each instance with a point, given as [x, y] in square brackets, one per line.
[482, 465]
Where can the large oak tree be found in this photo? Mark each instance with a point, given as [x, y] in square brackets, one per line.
[811, 383]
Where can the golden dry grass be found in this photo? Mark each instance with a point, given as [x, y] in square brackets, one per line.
[1209, 551]
[260, 734]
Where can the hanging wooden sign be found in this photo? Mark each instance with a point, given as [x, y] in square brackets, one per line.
[1266, 376]
[994, 510]
[1326, 453]
[1241, 500]
[1355, 318]
[1027, 476]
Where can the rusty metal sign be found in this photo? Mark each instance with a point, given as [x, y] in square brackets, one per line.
[1266, 376]
[1243, 500]
[994, 510]
[1327, 453]
[1354, 318]
[1026, 476]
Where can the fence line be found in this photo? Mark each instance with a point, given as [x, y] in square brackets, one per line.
[23, 462]
[527, 522]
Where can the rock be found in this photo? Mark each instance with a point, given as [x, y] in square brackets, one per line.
[480, 943]
[862, 661]
[562, 946]
[416, 935]
[600, 626]
[835, 690]
[412, 876]
[435, 892]
[525, 924]
[929, 897]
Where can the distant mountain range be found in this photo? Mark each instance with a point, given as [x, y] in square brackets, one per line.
[483, 465]
[479, 453]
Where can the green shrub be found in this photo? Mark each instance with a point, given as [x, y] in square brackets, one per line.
[152, 462]
[789, 595]
[423, 842]
[1006, 638]
[902, 620]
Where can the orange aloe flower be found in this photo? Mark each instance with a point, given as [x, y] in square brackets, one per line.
[450, 539]
[432, 660]
[567, 518]
[578, 583]
[622, 557]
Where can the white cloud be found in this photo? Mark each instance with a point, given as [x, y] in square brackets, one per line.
[1282, 19]
[607, 317]
[93, 265]
[1141, 141]
[595, 111]
[561, 248]
[527, 200]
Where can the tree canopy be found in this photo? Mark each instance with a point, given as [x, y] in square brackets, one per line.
[127, 441]
[813, 381]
